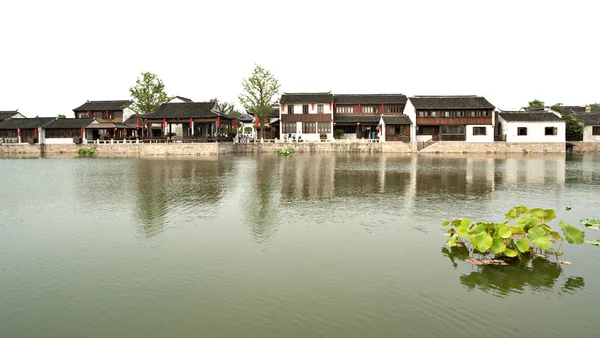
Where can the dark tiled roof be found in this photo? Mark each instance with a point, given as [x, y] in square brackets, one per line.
[451, 102]
[274, 112]
[530, 117]
[288, 98]
[133, 119]
[26, 123]
[246, 118]
[396, 119]
[589, 119]
[356, 118]
[102, 105]
[186, 110]
[4, 115]
[68, 123]
[369, 98]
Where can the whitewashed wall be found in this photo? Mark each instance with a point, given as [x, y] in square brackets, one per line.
[587, 135]
[327, 109]
[535, 131]
[488, 137]
[409, 110]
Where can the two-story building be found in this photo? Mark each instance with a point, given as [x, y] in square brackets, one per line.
[452, 118]
[111, 117]
[359, 116]
[307, 116]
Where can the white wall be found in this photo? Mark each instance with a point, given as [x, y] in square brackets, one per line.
[127, 113]
[587, 135]
[409, 110]
[327, 109]
[535, 131]
[58, 140]
[488, 137]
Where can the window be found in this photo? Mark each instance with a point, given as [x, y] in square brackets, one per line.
[434, 114]
[290, 108]
[596, 130]
[460, 114]
[304, 109]
[473, 113]
[446, 114]
[548, 131]
[422, 114]
[320, 109]
[479, 130]
[309, 127]
[347, 129]
[289, 128]
[324, 127]
[366, 109]
[344, 110]
[522, 131]
[393, 109]
[485, 113]
[63, 133]
[453, 130]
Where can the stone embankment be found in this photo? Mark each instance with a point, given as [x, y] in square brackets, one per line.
[214, 149]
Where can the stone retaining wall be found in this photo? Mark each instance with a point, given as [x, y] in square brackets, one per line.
[116, 149]
[585, 147]
[494, 147]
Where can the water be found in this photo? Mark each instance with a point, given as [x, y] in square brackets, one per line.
[327, 245]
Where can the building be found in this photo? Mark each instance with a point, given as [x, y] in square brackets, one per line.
[111, 117]
[271, 126]
[23, 130]
[10, 114]
[307, 116]
[591, 126]
[359, 115]
[65, 131]
[451, 118]
[395, 128]
[532, 127]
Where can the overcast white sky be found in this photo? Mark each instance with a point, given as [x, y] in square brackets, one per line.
[55, 55]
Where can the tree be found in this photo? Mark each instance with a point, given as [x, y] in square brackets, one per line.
[594, 105]
[258, 94]
[536, 103]
[147, 94]
[558, 107]
[574, 127]
[227, 108]
[62, 116]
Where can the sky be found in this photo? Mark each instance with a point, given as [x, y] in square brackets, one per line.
[55, 55]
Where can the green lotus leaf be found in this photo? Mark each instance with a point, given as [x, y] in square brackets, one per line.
[445, 223]
[572, 234]
[596, 242]
[515, 212]
[526, 222]
[539, 238]
[466, 222]
[568, 208]
[452, 241]
[591, 223]
[516, 230]
[510, 253]
[456, 222]
[504, 232]
[522, 244]
[478, 228]
[498, 246]
[543, 215]
[481, 241]
[555, 235]
[463, 232]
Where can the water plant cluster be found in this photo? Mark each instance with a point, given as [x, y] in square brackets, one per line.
[524, 232]
[287, 151]
[86, 152]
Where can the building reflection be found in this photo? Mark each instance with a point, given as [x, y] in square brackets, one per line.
[535, 274]
[169, 189]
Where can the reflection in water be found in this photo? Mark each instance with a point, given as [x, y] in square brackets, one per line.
[260, 206]
[537, 274]
[176, 186]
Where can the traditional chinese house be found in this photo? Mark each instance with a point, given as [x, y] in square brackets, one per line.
[530, 126]
[201, 121]
[271, 125]
[111, 117]
[65, 131]
[359, 115]
[23, 130]
[309, 116]
[13, 114]
[452, 118]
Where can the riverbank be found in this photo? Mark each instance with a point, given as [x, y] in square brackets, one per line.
[215, 149]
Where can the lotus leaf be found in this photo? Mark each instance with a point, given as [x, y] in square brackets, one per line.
[543, 215]
[452, 241]
[504, 232]
[591, 223]
[510, 253]
[522, 244]
[498, 246]
[596, 242]
[572, 234]
[539, 238]
[481, 241]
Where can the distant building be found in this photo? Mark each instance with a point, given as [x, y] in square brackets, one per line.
[533, 127]
[10, 114]
[308, 116]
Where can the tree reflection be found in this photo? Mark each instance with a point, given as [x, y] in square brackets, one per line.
[537, 274]
[260, 207]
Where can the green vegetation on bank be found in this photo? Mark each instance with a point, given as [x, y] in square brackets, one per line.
[87, 152]
[288, 151]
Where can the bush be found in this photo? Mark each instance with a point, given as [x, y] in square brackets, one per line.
[338, 133]
[285, 151]
[86, 152]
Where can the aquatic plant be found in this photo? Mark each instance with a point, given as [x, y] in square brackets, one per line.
[531, 235]
[288, 151]
[86, 152]
[594, 224]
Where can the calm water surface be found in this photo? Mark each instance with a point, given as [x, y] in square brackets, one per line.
[265, 246]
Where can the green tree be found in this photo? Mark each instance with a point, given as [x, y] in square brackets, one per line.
[147, 94]
[62, 116]
[574, 127]
[557, 107]
[536, 103]
[258, 93]
[594, 105]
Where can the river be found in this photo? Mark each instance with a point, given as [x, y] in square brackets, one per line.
[312, 245]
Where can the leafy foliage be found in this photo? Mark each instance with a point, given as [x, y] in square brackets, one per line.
[227, 108]
[338, 133]
[288, 151]
[61, 116]
[258, 93]
[594, 105]
[147, 94]
[536, 103]
[573, 127]
[530, 234]
[87, 152]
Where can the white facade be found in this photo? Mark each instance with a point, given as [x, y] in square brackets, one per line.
[536, 131]
[488, 137]
[588, 135]
[410, 110]
[313, 109]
